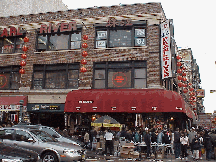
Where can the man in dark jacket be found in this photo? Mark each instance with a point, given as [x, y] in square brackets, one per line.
[208, 145]
[177, 144]
[195, 146]
[147, 140]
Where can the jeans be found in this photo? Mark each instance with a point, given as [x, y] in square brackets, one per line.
[177, 147]
[208, 154]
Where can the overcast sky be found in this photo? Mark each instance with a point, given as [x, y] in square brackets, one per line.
[194, 25]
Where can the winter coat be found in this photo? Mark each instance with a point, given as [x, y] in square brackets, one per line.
[137, 137]
[208, 142]
[167, 138]
[147, 139]
[196, 144]
[192, 136]
[153, 137]
[177, 136]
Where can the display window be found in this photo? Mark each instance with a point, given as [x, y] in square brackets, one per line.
[127, 74]
[11, 45]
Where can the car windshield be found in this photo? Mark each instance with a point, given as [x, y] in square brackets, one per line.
[50, 131]
[43, 136]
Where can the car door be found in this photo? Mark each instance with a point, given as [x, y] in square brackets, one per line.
[8, 136]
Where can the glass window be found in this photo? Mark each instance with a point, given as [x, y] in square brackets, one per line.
[38, 80]
[99, 74]
[99, 84]
[140, 83]
[140, 73]
[19, 45]
[140, 78]
[76, 40]
[8, 45]
[42, 42]
[73, 76]
[8, 134]
[58, 41]
[120, 38]
[22, 136]
[140, 37]
[101, 39]
[50, 132]
[15, 80]
[55, 80]
[99, 79]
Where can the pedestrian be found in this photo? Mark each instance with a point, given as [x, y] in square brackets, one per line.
[86, 138]
[137, 139]
[177, 144]
[196, 147]
[172, 141]
[160, 137]
[109, 142]
[208, 145]
[167, 141]
[147, 141]
[184, 144]
[191, 136]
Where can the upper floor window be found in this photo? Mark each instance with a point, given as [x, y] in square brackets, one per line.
[59, 41]
[11, 44]
[133, 35]
[9, 77]
[56, 76]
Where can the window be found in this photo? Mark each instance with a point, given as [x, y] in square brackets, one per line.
[59, 41]
[11, 44]
[9, 77]
[56, 76]
[128, 74]
[22, 136]
[127, 36]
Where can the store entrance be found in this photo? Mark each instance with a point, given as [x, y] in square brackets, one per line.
[52, 120]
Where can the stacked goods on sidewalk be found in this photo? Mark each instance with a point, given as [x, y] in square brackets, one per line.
[127, 151]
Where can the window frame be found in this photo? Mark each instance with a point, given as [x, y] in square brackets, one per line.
[119, 65]
[44, 68]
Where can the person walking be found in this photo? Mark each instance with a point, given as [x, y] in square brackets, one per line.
[177, 144]
[191, 136]
[196, 146]
[208, 145]
[184, 144]
[147, 141]
[109, 142]
[160, 137]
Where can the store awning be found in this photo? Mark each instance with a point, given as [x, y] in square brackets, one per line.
[125, 100]
[11, 103]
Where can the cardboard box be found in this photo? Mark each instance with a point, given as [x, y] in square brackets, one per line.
[126, 154]
[143, 155]
[160, 156]
[136, 154]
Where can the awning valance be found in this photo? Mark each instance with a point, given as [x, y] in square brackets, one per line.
[125, 100]
[11, 103]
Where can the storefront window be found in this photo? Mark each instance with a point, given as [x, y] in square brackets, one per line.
[56, 76]
[120, 38]
[128, 74]
[76, 40]
[58, 42]
[11, 45]
[9, 77]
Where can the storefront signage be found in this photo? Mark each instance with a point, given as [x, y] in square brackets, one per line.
[45, 107]
[200, 92]
[90, 101]
[165, 50]
[12, 32]
[11, 108]
[112, 22]
[119, 79]
[3, 81]
[60, 26]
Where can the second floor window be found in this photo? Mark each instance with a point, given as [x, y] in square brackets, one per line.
[11, 44]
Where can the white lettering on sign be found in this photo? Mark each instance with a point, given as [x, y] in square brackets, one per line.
[86, 101]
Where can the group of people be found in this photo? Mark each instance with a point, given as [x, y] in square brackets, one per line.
[180, 141]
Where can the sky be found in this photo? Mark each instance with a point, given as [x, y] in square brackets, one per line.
[194, 25]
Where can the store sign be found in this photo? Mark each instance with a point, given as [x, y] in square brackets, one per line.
[200, 93]
[12, 108]
[3, 81]
[85, 101]
[60, 26]
[112, 22]
[119, 79]
[165, 50]
[12, 32]
[46, 107]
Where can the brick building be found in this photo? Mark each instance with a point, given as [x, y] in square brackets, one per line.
[124, 57]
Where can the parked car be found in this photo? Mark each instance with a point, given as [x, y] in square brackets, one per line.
[16, 154]
[51, 131]
[45, 145]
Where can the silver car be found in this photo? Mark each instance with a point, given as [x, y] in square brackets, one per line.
[49, 149]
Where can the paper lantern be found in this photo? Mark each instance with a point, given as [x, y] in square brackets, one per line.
[26, 39]
[191, 89]
[185, 90]
[84, 53]
[85, 37]
[185, 85]
[84, 45]
[189, 84]
[179, 77]
[178, 57]
[83, 69]
[180, 84]
[83, 61]
[179, 64]
[183, 68]
[24, 56]
[184, 74]
[22, 63]
[22, 71]
[179, 71]
[24, 48]
[184, 79]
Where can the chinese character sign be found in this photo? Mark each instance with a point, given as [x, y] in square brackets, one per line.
[165, 50]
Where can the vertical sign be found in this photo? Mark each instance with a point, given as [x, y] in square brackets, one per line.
[165, 50]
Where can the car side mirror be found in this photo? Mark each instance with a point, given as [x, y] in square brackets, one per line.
[31, 140]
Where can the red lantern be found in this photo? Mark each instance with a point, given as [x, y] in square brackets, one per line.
[83, 61]
[183, 68]
[179, 71]
[193, 97]
[84, 53]
[22, 63]
[26, 39]
[185, 85]
[185, 90]
[22, 71]
[84, 45]
[178, 57]
[178, 63]
[189, 84]
[184, 79]
[24, 48]
[179, 77]
[180, 84]
[194, 100]
[83, 69]
[191, 89]
[183, 74]
[85, 37]
[194, 109]
[193, 93]
[24, 56]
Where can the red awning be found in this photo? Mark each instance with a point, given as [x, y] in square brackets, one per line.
[11, 103]
[125, 100]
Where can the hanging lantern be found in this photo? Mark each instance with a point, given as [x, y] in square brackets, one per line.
[185, 85]
[84, 53]
[193, 97]
[179, 77]
[83, 69]
[84, 45]
[189, 84]
[179, 71]
[83, 61]
[191, 89]
[183, 68]
[184, 74]
[24, 56]
[24, 48]
[22, 71]
[26, 39]
[194, 100]
[22, 63]
[85, 37]
[194, 109]
[193, 93]
[179, 64]
[185, 90]
[184, 79]
[180, 84]
[178, 57]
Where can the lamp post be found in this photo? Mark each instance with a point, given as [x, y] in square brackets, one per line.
[21, 111]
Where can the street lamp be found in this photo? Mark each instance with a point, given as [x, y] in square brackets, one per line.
[21, 111]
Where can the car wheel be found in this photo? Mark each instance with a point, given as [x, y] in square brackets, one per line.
[49, 157]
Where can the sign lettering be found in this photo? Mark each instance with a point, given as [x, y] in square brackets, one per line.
[12, 32]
